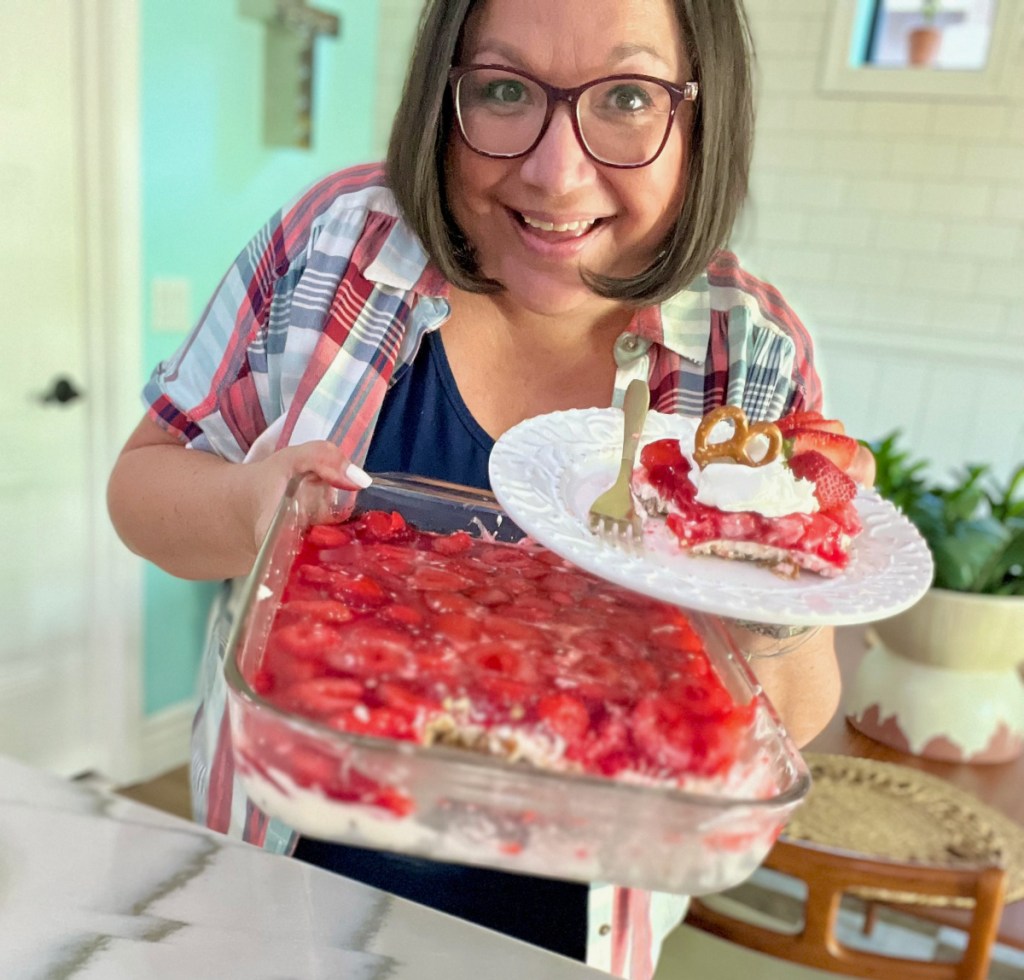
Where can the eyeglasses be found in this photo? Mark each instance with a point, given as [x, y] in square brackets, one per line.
[620, 121]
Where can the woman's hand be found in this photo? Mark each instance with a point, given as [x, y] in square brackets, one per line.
[199, 516]
[324, 461]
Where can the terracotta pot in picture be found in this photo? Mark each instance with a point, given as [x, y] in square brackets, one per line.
[923, 46]
[942, 679]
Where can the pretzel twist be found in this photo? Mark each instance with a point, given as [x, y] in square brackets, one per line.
[737, 447]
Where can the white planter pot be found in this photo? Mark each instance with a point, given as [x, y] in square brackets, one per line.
[942, 680]
[959, 631]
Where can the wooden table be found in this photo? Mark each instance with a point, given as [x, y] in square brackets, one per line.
[1000, 786]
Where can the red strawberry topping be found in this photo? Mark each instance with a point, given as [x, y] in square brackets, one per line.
[498, 635]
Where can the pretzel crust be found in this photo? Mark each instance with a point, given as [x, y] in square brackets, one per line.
[737, 447]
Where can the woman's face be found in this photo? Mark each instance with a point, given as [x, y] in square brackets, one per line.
[620, 217]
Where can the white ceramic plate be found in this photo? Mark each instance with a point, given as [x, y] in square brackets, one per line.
[548, 470]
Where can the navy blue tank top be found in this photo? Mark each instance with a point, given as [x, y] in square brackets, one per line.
[424, 427]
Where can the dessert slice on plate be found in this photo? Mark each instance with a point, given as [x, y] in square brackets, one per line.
[780, 494]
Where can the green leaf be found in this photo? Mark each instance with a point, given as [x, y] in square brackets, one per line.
[1005, 574]
[962, 557]
[1006, 504]
[973, 527]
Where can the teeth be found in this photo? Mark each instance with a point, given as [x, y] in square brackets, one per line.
[579, 227]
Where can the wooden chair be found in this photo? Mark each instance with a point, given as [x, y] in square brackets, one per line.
[829, 874]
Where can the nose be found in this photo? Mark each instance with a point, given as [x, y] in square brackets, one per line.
[557, 163]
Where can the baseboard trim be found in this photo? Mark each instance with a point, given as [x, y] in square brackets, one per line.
[164, 740]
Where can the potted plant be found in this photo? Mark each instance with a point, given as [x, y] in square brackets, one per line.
[952, 659]
[924, 40]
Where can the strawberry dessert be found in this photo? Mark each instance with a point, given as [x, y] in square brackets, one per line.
[384, 630]
[780, 494]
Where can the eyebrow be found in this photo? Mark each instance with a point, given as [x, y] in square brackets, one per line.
[619, 53]
[623, 51]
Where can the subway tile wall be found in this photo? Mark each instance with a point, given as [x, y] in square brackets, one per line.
[895, 228]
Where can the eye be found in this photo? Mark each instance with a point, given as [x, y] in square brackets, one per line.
[628, 98]
[507, 91]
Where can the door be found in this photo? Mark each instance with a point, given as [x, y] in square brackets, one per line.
[49, 454]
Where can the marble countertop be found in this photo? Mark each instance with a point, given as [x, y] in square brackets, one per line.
[96, 886]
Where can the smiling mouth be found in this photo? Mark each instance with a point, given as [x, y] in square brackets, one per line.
[558, 230]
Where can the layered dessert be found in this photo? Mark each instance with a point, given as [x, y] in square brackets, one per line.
[779, 494]
[507, 650]
[446, 696]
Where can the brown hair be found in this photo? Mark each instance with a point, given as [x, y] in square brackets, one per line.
[716, 36]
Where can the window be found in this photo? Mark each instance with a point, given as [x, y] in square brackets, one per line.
[962, 30]
[868, 48]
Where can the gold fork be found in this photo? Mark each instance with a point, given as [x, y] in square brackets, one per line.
[613, 515]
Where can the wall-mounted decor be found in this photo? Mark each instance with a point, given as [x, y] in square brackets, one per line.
[292, 29]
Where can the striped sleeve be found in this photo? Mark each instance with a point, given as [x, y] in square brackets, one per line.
[230, 378]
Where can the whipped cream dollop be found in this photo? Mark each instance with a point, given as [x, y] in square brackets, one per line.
[770, 490]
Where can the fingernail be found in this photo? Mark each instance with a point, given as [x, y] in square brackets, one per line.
[358, 476]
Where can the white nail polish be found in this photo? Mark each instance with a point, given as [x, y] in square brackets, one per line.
[357, 476]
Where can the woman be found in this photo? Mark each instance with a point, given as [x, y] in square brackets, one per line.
[560, 181]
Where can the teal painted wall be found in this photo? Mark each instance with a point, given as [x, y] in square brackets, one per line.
[208, 184]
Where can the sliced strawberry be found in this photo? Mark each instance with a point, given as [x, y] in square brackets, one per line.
[532, 608]
[328, 536]
[863, 467]
[377, 525]
[502, 658]
[513, 584]
[797, 419]
[450, 602]
[847, 518]
[838, 448]
[324, 610]
[354, 588]
[322, 695]
[370, 650]
[512, 628]
[405, 699]
[565, 715]
[439, 579]
[663, 452]
[489, 597]
[785, 531]
[402, 614]
[571, 582]
[452, 544]
[457, 626]
[308, 639]
[789, 424]
[832, 486]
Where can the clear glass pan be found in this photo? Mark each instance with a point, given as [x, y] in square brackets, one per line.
[476, 809]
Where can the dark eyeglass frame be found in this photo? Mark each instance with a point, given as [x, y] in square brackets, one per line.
[571, 97]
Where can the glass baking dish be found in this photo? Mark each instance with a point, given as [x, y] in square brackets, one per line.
[478, 809]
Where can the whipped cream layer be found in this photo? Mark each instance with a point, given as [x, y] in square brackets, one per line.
[770, 490]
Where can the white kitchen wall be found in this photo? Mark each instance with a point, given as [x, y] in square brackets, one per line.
[895, 227]
[398, 22]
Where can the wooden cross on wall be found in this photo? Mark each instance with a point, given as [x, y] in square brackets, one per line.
[288, 66]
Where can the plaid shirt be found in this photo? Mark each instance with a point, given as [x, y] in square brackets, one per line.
[300, 342]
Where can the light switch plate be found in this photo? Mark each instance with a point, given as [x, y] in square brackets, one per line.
[171, 305]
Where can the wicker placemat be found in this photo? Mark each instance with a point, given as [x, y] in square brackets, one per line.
[890, 811]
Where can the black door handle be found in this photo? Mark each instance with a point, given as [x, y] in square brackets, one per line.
[62, 392]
